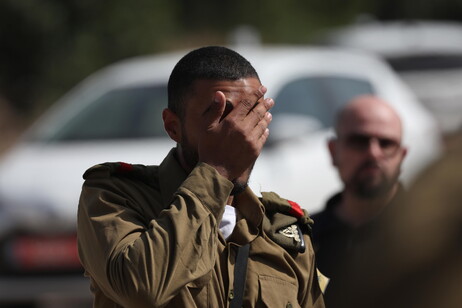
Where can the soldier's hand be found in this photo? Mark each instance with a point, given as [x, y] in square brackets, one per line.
[233, 136]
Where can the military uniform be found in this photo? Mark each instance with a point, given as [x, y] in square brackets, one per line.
[148, 237]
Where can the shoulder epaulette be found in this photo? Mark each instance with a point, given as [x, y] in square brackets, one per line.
[285, 222]
[122, 169]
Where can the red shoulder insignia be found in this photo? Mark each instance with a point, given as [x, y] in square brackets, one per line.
[124, 167]
[295, 209]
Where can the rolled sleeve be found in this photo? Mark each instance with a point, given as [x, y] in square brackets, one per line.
[138, 264]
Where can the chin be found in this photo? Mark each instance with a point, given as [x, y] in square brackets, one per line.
[372, 191]
[239, 187]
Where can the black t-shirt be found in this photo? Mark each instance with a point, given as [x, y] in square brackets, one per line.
[338, 245]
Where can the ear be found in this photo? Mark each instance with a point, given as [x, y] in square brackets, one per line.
[403, 153]
[172, 124]
[332, 146]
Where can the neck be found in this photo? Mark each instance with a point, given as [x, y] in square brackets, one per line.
[356, 211]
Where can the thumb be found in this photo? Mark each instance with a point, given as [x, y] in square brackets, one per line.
[217, 108]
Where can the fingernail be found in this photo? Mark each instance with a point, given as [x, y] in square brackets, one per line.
[263, 89]
[217, 97]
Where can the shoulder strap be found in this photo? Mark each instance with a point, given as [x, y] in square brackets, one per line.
[240, 273]
[285, 222]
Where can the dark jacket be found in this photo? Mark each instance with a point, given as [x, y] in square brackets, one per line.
[338, 245]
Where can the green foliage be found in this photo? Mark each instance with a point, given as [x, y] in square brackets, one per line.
[50, 45]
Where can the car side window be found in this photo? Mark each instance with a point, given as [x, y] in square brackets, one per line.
[119, 114]
[319, 97]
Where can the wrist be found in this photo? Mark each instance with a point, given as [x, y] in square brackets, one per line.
[222, 171]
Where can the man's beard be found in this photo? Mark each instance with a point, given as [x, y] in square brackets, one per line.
[189, 154]
[239, 187]
[366, 187]
[191, 157]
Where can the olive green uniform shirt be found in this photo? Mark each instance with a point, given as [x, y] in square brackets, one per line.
[148, 237]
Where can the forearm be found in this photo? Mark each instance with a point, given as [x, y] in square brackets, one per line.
[137, 264]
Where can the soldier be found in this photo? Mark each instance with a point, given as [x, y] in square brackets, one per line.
[367, 153]
[149, 236]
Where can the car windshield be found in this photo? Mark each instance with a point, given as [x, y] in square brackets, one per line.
[135, 112]
[119, 114]
[319, 97]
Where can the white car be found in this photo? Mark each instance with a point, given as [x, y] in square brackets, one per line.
[115, 115]
[426, 54]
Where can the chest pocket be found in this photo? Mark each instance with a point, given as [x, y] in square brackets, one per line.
[276, 292]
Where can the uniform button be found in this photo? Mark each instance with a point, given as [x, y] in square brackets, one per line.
[289, 305]
[231, 294]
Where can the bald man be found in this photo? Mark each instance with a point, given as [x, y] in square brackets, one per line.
[367, 153]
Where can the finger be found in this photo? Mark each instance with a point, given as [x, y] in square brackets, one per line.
[264, 137]
[265, 130]
[260, 131]
[246, 105]
[260, 111]
[216, 110]
[261, 92]
[260, 142]
[228, 108]
[262, 126]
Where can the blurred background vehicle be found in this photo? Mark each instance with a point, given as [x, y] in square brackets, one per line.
[115, 115]
[426, 54]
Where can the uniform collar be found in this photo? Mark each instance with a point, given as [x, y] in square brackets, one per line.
[250, 212]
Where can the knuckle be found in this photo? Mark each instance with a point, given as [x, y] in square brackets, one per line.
[263, 125]
[231, 124]
[248, 139]
[254, 149]
[246, 103]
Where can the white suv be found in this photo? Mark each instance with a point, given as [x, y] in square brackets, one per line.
[427, 55]
[115, 115]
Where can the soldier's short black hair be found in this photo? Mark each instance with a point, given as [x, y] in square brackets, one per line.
[206, 63]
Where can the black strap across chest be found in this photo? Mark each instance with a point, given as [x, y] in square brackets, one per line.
[240, 273]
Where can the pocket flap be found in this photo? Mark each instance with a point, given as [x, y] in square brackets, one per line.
[276, 292]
